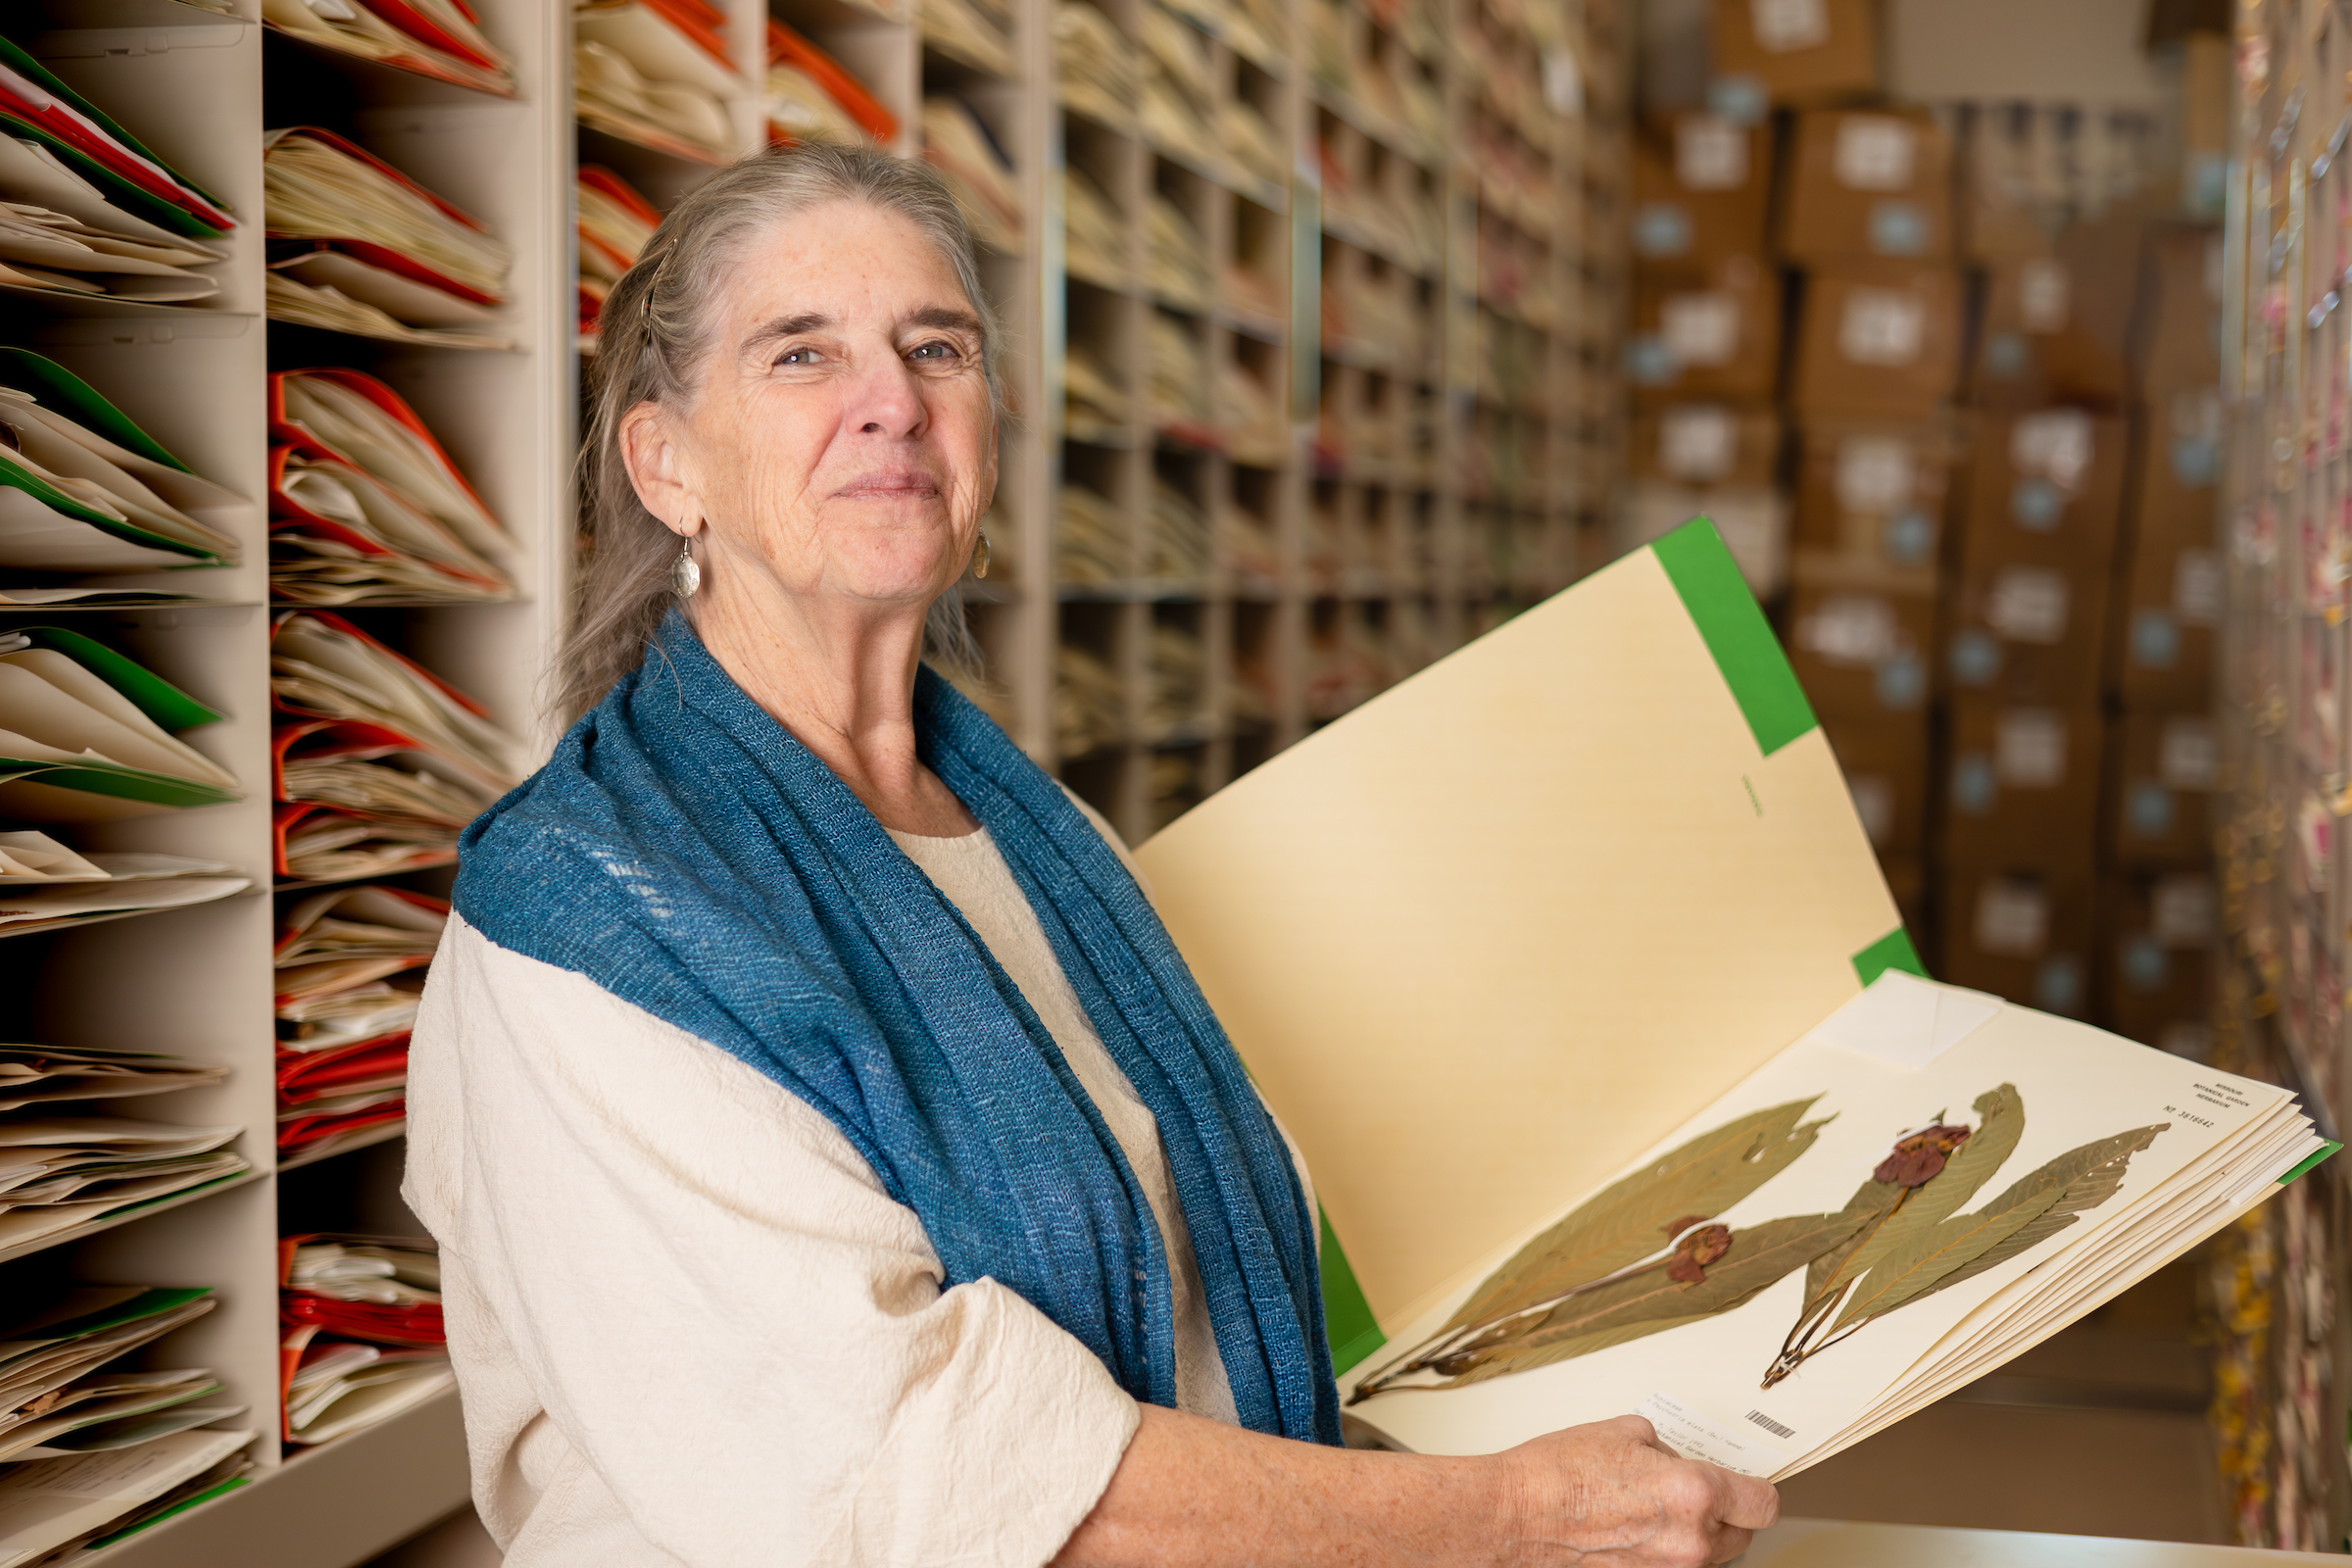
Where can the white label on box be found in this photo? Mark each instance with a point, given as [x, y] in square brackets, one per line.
[2013, 918]
[2043, 296]
[1850, 629]
[2196, 414]
[2181, 911]
[1700, 329]
[1698, 443]
[2197, 587]
[1883, 327]
[2028, 605]
[1563, 83]
[1781, 25]
[1876, 152]
[1710, 153]
[2188, 754]
[1696, 1436]
[2055, 444]
[2029, 748]
[1875, 473]
[1873, 804]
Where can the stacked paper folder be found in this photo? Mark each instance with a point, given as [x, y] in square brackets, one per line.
[974, 31]
[84, 490]
[90, 1451]
[1179, 88]
[812, 98]
[438, 38]
[977, 170]
[614, 223]
[654, 73]
[87, 210]
[349, 968]
[1095, 67]
[379, 763]
[356, 246]
[364, 1337]
[363, 503]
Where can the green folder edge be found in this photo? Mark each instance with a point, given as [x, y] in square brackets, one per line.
[153, 207]
[1750, 658]
[13, 475]
[179, 1507]
[56, 387]
[145, 690]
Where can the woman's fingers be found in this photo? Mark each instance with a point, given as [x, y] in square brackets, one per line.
[1746, 1503]
[1730, 1544]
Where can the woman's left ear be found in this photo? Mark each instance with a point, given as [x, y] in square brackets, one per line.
[658, 468]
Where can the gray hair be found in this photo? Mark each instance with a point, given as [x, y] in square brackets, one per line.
[655, 334]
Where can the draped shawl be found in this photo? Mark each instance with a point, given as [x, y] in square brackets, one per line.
[685, 853]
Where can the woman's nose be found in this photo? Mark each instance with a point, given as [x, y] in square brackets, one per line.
[890, 399]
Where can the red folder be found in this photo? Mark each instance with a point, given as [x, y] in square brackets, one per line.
[282, 246]
[787, 47]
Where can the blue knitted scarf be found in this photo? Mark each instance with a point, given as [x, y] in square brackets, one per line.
[686, 854]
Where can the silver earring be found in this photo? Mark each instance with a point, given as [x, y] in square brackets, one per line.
[685, 578]
[982, 555]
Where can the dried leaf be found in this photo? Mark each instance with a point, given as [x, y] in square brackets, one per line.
[2001, 1121]
[1872, 1200]
[1758, 1256]
[2112, 1157]
[1623, 1224]
[1510, 1360]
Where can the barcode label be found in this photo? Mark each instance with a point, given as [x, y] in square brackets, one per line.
[1770, 1425]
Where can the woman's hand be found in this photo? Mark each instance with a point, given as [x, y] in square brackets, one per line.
[1195, 1494]
[1612, 1496]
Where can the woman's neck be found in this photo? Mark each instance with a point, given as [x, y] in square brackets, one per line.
[839, 673]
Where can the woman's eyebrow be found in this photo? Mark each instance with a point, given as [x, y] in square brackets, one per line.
[945, 318]
[786, 326]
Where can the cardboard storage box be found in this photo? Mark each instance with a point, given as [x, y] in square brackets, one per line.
[1875, 494]
[2180, 311]
[1860, 647]
[1876, 340]
[2020, 784]
[1701, 187]
[1712, 337]
[1706, 444]
[1884, 759]
[2034, 346]
[1797, 51]
[1867, 183]
[2019, 632]
[1999, 206]
[2179, 469]
[2046, 488]
[2020, 931]
[2163, 646]
[2156, 973]
[2163, 772]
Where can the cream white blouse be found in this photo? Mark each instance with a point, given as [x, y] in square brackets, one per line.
[690, 1327]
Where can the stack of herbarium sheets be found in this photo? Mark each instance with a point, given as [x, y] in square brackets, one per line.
[1568, 965]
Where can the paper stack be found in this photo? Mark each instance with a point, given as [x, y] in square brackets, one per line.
[44, 885]
[1094, 403]
[1181, 274]
[1091, 540]
[1095, 69]
[87, 210]
[364, 1337]
[614, 223]
[381, 762]
[90, 1452]
[349, 968]
[654, 73]
[34, 1074]
[978, 171]
[1090, 706]
[83, 489]
[87, 734]
[812, 98]
[1180, 381]
[364, 507]
[58, 1172]
[1568, 965]
[438, 38]
[1094, 234]
[356, 246]
[977, 32]
[1177, 549]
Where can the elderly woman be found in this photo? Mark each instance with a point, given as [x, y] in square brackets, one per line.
[832, 1159]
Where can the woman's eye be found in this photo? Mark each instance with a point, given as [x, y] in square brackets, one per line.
[932, 352]
[799, 356]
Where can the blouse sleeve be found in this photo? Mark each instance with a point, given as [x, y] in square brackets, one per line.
[721, 1312]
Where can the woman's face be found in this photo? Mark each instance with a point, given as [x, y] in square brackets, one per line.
[841, 441]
